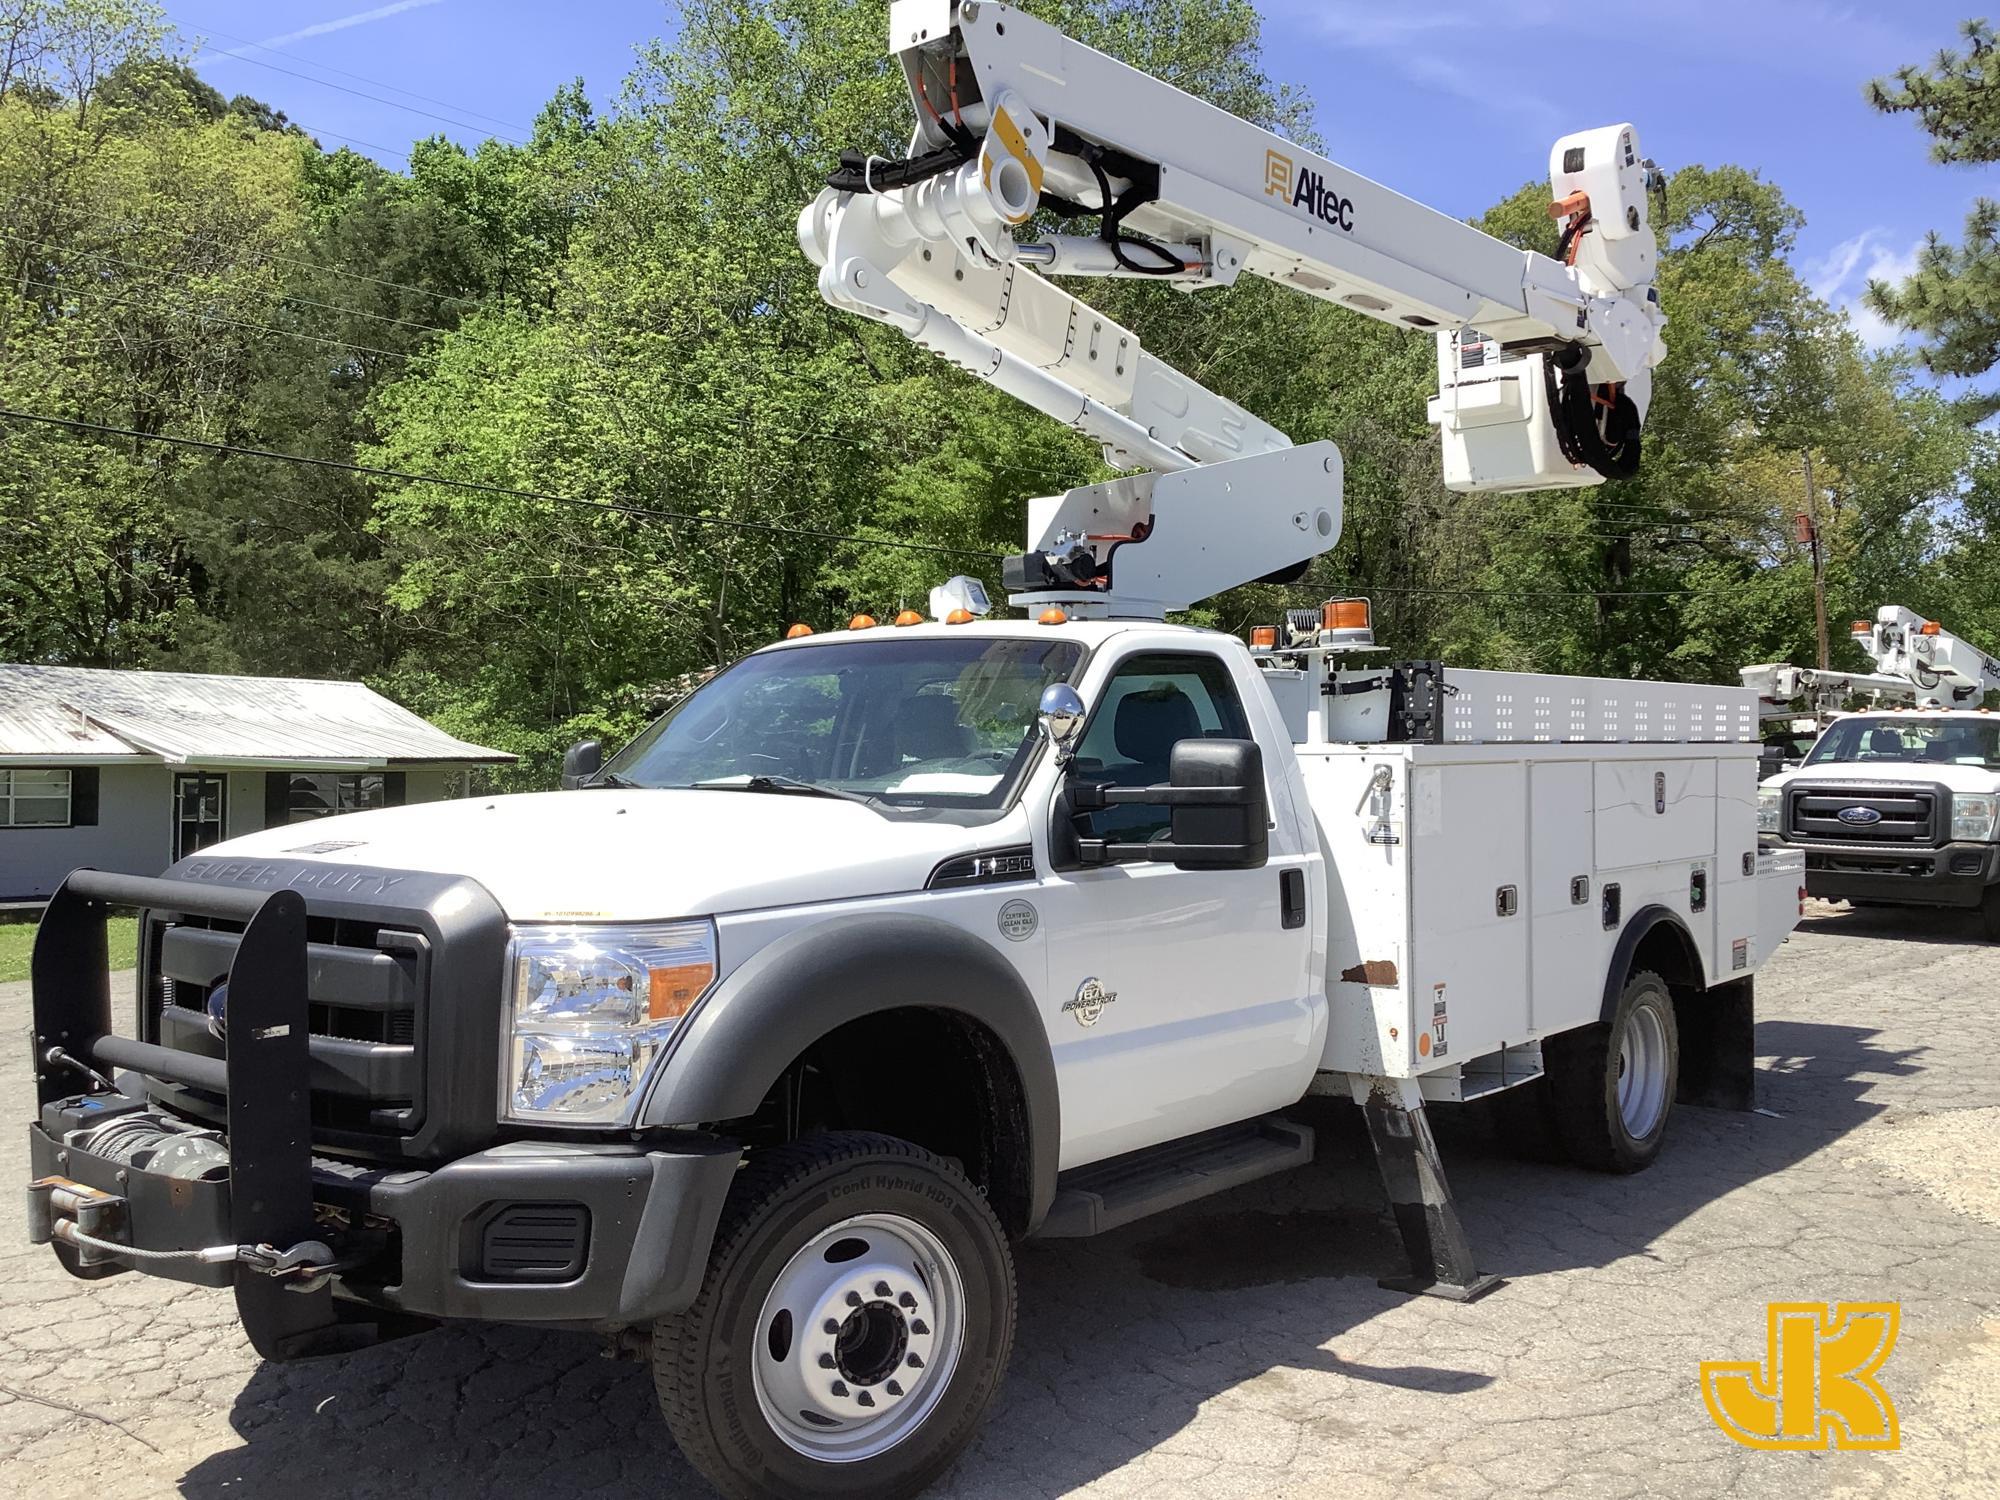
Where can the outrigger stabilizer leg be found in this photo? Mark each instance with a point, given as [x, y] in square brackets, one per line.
[1441, 1263]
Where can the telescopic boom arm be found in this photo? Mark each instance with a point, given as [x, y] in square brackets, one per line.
[1545, 365]
[1917, 662]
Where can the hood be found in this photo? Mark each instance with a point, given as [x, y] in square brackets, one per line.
[1868, 773]
[615, 855]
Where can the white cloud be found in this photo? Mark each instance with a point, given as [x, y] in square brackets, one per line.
[323, 28]
[1841, 276]
[1431, 47]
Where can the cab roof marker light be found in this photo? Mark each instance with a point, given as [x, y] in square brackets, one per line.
[1053, 615]
[798, 631]
[861, 622]
[909, 617]
[960, 617]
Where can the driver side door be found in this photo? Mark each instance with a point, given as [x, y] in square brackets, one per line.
[1177, 999]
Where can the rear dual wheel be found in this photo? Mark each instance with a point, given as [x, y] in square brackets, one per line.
[853, 1327]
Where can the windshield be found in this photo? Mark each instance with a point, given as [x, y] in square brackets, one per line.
[928, 722]
[1934, 742]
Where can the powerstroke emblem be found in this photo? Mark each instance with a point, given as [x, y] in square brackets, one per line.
[1304, 188]
[1091, 998]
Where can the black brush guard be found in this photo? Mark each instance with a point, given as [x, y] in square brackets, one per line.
[283, 1292]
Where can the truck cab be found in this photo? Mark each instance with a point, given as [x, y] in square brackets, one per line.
[1896, 808]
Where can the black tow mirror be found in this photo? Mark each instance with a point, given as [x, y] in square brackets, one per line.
[581, 761]
[1220, 819]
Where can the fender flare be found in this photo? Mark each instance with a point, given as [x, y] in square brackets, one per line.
[1637, 928]
[819, 977]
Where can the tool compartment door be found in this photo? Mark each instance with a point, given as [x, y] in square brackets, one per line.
[1469, 986]
[1652, 810]
[1566, 979]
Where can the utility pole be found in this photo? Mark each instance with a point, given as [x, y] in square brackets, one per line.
[1809, 534]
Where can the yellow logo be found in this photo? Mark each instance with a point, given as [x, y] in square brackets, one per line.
[1277, 175]
[1817, 1386]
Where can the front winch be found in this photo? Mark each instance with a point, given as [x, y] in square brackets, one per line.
[90, 1221]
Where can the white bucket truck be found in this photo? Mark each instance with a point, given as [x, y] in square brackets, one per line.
[895, 945]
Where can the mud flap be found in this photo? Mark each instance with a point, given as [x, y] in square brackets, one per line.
[1718, 1044]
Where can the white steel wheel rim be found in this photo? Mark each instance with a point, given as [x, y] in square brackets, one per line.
[1642, 1072]
[858, 1338]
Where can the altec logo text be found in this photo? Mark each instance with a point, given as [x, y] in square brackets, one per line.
[1304, 188]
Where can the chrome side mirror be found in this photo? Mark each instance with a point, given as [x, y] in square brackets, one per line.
[1061, 716]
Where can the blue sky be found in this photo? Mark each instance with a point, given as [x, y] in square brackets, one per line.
[1454, 102]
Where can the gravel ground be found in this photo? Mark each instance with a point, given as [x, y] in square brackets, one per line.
[1239, 1347]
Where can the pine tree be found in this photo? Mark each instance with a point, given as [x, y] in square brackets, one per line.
[1953, 299]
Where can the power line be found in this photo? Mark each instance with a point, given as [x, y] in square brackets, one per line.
[339, 307]
[357, 77]
[206, 317]
[326, 83]
[292, 260]
[618, 507]
[314, 130]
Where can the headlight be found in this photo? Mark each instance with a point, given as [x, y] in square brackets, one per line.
[589, 1010]
[1973, 815]
[1770, 809]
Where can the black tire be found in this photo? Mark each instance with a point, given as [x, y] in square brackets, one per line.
[782, 1199]
[1584, 1068]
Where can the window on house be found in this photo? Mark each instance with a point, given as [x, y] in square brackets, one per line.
[300, 796]
[34, 799]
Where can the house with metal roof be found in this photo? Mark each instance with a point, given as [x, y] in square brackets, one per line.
[131, 771]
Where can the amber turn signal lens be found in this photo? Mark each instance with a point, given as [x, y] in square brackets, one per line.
[861, 622]
[670, 992]
[798, 631]
[909, 617]
[1345, 614]
[1264, 637]
[1052, 616]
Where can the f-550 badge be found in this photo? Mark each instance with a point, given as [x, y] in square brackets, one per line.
[1091, 998]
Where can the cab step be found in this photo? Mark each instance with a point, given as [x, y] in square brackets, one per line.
[1110, 1194]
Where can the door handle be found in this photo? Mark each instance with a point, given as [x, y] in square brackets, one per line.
[1292, 897]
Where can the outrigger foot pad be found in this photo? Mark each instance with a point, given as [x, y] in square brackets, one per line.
[1440, 1256]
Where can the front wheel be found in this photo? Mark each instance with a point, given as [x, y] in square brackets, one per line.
[852, 1329]
[1611, 1085]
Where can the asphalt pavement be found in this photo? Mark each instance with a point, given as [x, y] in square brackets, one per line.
[1239, 1347]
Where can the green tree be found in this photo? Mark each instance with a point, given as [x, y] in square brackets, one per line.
[1953, 299]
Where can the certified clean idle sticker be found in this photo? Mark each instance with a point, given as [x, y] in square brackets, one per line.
[1018, 921]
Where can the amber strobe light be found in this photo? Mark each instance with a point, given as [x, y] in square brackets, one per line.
[909, 617]
[1264, 637]
[1345, 614]
[798, 631]
[1053, 616]
[861, 622]
[1931, 627]
[959, 617]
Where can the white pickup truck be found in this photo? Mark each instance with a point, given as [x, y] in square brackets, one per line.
[884, 949]
[1899, 808]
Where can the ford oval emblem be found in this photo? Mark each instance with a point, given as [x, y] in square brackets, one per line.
[1860, 817]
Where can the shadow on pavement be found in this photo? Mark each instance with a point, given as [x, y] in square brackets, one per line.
[1907, 924]
[1121, 1340]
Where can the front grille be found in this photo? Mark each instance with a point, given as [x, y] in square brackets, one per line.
[365, 988]
[1904, 816]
